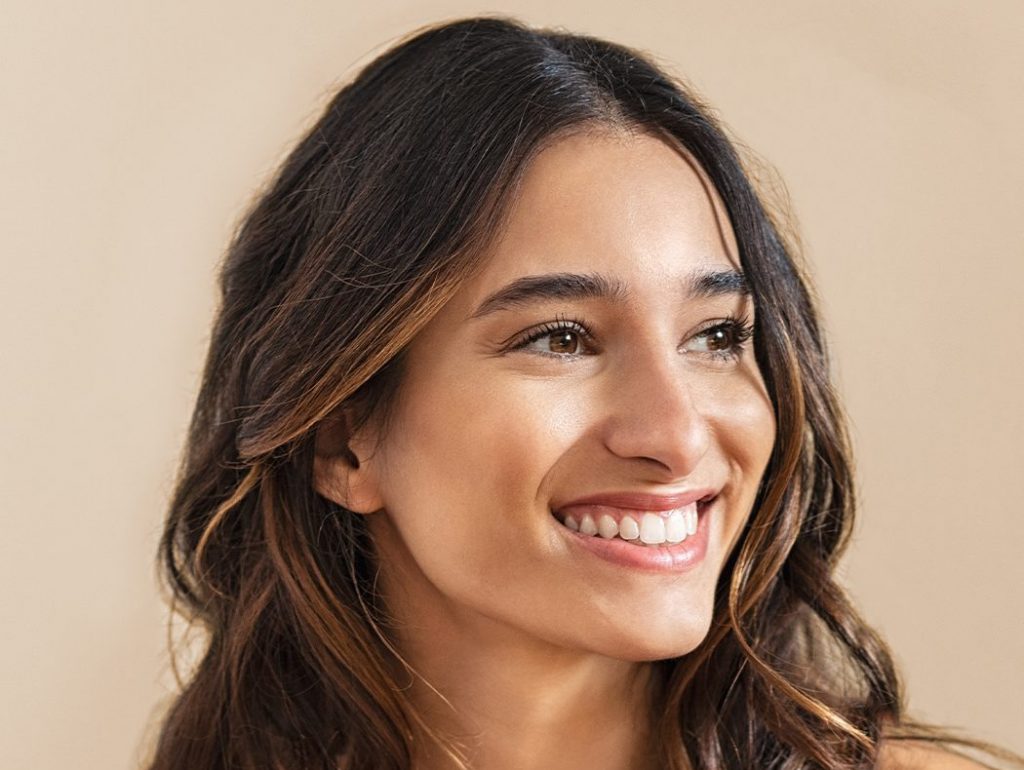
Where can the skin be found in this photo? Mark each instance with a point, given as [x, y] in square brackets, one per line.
[541, 649]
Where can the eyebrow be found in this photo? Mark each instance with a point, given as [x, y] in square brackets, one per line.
[575, 286]
[714, 283]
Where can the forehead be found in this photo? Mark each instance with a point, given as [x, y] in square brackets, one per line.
[614, 202]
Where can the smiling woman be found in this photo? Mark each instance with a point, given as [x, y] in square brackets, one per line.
[516, 446]
[644, 418]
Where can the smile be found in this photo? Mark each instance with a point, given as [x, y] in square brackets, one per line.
[639, 527]
[624, 530]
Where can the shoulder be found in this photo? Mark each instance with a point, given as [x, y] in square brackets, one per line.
[920, 755]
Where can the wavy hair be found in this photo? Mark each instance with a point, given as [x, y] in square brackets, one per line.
[371, 224]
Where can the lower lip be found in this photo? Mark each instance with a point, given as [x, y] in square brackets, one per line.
[678, 557]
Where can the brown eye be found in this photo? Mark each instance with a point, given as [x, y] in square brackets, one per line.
[721, 338]
[724, 341]
[561, 339]
[564, 341]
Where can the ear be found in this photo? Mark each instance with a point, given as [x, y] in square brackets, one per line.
[344, 469]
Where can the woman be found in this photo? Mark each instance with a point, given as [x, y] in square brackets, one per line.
[516, 446]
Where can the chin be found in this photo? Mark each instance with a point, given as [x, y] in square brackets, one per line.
[655, 641]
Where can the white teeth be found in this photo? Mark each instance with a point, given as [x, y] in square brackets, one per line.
[675, 527]
[652, 529]
[628, 528]
[606, 527]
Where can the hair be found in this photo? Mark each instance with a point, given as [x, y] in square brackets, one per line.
[375, 219]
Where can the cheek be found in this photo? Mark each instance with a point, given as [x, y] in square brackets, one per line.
[464, 468]
[467, 522]
[743, 420]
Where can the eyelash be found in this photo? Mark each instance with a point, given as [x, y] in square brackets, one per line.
[560, 324]
[742, 330]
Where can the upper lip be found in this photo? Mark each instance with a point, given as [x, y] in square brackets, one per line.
[640, 501]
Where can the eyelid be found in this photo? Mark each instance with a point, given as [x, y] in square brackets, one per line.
[741, 326]
[742, 322]
[523, 338]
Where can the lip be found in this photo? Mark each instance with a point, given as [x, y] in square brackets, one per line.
[678, 558]
[638, 501]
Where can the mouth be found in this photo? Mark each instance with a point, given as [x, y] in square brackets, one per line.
[638, 527]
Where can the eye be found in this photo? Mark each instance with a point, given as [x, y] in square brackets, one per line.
[722, 340]
[559, 339]
[564, 341]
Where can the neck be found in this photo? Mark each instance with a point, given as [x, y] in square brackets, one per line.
[510, 709]
[513, 701]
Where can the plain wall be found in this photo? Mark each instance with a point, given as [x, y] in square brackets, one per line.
[135, 133]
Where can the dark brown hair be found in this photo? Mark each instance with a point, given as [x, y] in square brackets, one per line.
[370, 225]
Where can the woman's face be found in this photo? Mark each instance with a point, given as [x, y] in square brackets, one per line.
[598, 366]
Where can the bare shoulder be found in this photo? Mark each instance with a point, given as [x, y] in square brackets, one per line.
[918, 755]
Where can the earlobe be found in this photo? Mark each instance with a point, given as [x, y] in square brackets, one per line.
[342, 473]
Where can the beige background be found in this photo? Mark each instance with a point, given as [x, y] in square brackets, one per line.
[134, 133]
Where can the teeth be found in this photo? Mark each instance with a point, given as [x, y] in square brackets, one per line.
[628, 528]
[675, 527]
[606, 527]
[652, 529]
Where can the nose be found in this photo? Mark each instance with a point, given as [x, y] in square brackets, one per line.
[653, 417]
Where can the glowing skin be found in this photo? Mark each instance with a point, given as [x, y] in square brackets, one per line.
[540, 644]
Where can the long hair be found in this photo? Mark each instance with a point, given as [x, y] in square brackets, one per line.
[371, 224]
